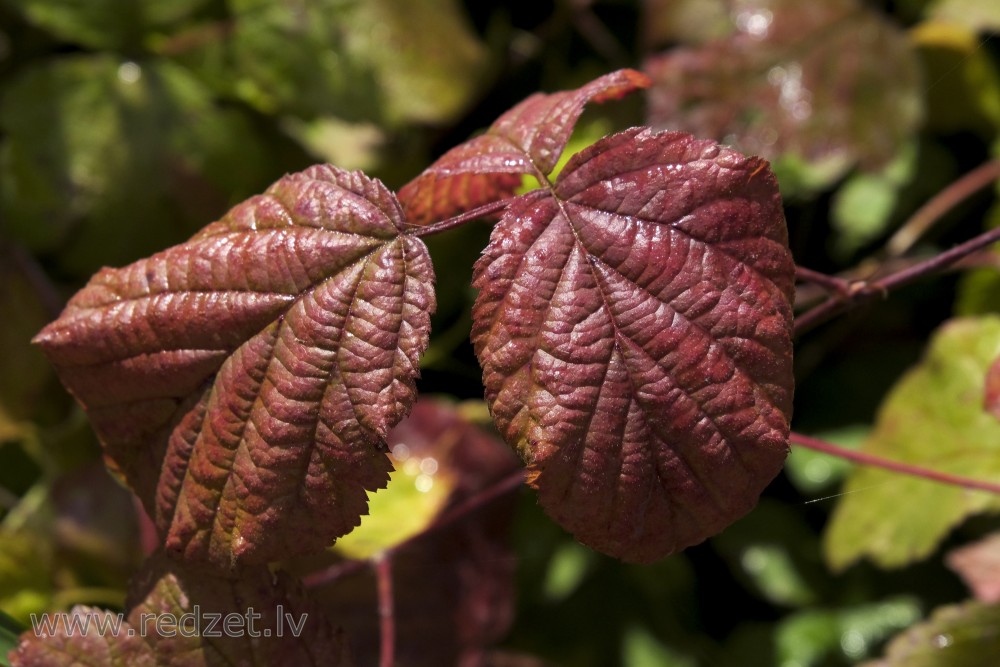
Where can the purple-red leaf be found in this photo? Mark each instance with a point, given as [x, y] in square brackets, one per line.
[183, 617]
[633, 325]
[243, 382]
[527, 139]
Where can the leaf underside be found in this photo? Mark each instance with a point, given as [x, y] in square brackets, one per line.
[243, 382]
[633, 324]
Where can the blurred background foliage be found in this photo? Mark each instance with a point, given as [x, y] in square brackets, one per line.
[126, 125]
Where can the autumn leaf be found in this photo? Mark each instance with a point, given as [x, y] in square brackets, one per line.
[933, 417]
[244, 381]
[182, 617]
[809, 83]
[633, 325]
[527, 139]
[74, 641]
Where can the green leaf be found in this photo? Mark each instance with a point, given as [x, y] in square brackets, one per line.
[933, 417]
[966, 83]
[153, 160]
[811, 472]
[775, 553]
[806, 638]
[26, 374]
[641, 649]
[389, 60]
[25, 574]
[106, 24]
[429, 450]
[976, 15]
[863, 205]
[961, 635]
[9, 631]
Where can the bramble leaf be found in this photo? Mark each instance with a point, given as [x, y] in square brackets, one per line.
[244, 381]
[805, 82]
[280, 625]
[527, 139]
[633, 325]
[180, 617]
[933, 417]
[77, 640]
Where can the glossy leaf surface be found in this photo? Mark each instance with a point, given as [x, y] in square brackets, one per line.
[633, 325]
[243, 382]
[527, 139]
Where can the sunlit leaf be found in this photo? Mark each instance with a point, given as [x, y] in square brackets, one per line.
[26, 584]
[633, 324]
[432, 451]
[151, 163]
[527, 139]
[977, 15]
[966, 90]
[933, 417]
[380, 60]
[244, 381]
[453, 584]
[962, 635]
[809, 81]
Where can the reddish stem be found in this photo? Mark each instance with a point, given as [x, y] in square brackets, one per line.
[382, 564]
[463, 218]
[864, 291]
[894, 466]
[940, 204]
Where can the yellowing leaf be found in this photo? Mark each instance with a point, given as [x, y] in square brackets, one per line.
[933, 417]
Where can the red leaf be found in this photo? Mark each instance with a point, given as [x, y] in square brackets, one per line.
[249, 375]
[527, 139]
[271, 621]
[182, 617]
[633, 325]
[978, 564]
[78, 642]
[991, 391]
